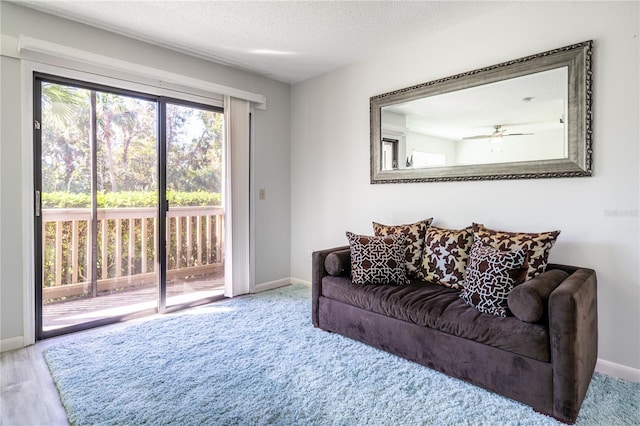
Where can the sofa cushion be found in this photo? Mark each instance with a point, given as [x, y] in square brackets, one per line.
[528, 301]
[377, 260]
[445, 254]
[338, 262]
[440, 308]
[415, 233]
[538, 245]
[491, 275]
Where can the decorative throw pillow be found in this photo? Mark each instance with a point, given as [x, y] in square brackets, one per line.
[415, 233]
[537, 245]
[377, 260]
[491, 275]
[445, 254]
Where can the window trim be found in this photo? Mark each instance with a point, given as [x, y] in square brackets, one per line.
[46, 52]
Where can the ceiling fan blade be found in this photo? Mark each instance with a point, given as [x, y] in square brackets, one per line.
[477, 137]
[499, 133]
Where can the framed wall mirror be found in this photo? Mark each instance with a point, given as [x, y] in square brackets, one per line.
[525, 118]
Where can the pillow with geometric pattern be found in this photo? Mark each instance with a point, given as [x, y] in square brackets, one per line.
[415, 233]
[491, 275]
[537, 245]
[445, 254]
[378, 259]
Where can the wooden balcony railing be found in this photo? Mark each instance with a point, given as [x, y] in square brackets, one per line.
[126, 247]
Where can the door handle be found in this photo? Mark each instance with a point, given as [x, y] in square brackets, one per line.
[37, 203]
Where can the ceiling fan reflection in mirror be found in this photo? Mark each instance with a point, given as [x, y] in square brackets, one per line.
[497, 135]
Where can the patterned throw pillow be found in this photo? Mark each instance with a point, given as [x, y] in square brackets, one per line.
[378, 260]
[445, 254]
[491, 275]
[537, 245]
[415, 233]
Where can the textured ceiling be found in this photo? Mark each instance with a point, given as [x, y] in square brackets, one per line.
[288, 41]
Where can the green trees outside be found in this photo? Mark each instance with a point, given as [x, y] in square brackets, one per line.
[126, 130]
[126, 167]
[65, 148]
[194, 150]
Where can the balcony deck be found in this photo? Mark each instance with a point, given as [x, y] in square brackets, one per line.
[74, 311]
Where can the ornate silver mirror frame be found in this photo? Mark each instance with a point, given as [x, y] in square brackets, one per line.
[427, 111]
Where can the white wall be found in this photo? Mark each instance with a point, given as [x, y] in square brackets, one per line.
[598, 216]
[10, 216]
[271, 148]
[425, 143]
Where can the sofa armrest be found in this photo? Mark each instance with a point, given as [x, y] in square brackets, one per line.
[573, 329]
[318, 271]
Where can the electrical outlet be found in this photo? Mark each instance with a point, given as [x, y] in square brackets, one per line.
[261, 193]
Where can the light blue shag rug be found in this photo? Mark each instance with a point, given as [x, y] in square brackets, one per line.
[257, 360]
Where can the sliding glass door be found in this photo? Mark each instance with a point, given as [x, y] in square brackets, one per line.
[195, 219]
[128, 204]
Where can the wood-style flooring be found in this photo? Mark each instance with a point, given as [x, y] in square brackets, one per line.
[28, 394]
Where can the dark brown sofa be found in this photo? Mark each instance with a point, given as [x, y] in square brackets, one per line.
[546, 364]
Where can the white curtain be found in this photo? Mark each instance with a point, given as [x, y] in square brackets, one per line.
[237, 134]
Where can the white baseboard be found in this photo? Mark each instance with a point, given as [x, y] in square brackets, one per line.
[11, 344]
[299, 281]
[271, 285]
[279, 283]
[617, 370]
